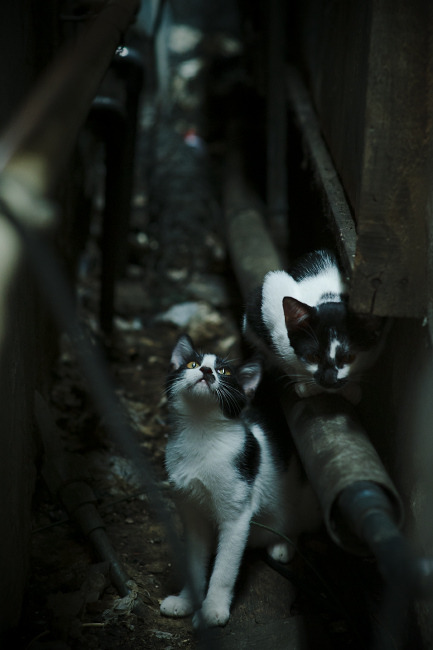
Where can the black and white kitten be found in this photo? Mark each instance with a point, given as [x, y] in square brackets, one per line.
[301, 322]
[226, 471]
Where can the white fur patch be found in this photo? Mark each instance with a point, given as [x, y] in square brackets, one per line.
[333, 347]
[278, 284]
[344, 372]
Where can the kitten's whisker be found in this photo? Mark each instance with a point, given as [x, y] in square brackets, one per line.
[225, 395]
[293, 375]
[228, 361]
[230, 394]
[231, 390]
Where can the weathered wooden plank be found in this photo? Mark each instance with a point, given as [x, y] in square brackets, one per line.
[369, 73]
[390, 266]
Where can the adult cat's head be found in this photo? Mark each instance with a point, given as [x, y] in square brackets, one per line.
[331, 343]
[202, 382]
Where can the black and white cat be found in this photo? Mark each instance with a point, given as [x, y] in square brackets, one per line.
[226, 470]
[301, 322]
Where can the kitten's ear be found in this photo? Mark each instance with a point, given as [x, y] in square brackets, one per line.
[249, 376]
[182, 351]
[296, 313]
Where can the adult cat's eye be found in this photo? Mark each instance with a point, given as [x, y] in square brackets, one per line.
[223, 371]
[192, 364]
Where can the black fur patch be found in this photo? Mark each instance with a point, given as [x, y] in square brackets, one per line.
[247, 461]
[267, 412]
[233, 399]
[311, 264]
[253, 313]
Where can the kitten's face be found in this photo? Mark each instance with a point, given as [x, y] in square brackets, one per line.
[205, 381]
[329, 341]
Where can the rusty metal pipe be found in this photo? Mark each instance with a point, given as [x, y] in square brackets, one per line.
[335, 450]
[79, 501]
[361, 507]
[337, 455]
[252, 251]
[333, 446]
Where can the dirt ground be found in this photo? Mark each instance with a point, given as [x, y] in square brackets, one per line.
[178, 278]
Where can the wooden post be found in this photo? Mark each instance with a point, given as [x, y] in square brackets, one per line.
[389, 277]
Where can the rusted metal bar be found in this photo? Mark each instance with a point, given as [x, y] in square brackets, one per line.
[129, 66]
[119, 141]
[108, 120]
[115, 124]
[340, 217]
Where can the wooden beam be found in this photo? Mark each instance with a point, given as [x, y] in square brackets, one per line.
[390, 267]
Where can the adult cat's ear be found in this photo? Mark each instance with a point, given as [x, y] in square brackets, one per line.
[296, 313]
[182, 351]
[249, 376]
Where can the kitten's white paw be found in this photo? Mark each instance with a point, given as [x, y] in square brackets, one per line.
[281, 552]
[176, 606]
[211, 615]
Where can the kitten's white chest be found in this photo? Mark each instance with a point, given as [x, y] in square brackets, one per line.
[199, 463]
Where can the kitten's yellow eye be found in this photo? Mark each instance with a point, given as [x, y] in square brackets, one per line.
[223, 371]
[192, 364]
